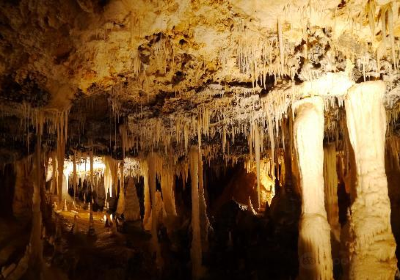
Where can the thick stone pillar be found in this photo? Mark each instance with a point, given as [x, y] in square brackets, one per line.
[372, 245]
[314, 234]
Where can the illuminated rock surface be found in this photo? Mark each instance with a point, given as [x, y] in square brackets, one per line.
[314, 234]
[372, 249]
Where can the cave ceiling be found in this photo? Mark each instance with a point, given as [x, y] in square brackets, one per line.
[163, 71]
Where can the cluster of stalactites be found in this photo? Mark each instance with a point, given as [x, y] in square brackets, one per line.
[232, 116]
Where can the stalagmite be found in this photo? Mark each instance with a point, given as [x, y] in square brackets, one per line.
[372, 247]
[152, 177]
[132, 207]
[331, 197]
[195, 251]
[314, 233]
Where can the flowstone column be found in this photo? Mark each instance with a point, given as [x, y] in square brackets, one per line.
[314, 233]
[372, 245]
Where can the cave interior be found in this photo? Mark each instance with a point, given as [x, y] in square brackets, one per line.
[199, 139]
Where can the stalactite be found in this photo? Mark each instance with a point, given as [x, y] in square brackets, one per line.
[314, 233]
[331, 183]
[199, 133]
[272, 139]
[372, 245]
[195, 251]
[186, 135]
[110, 175]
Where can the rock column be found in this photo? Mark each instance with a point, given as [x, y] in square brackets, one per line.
[372, 245]
[314, 233]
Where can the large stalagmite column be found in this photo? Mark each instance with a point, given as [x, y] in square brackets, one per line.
[195, 251]
[372, 247]
[314, 236]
